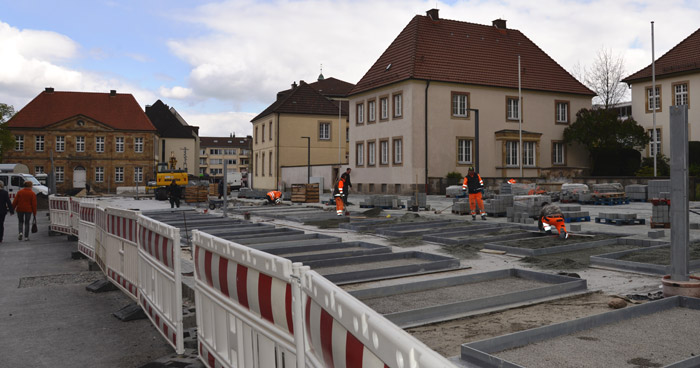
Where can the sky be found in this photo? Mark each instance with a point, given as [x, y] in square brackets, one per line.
[220, 63]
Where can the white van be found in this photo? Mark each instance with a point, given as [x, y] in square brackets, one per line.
[15, 182]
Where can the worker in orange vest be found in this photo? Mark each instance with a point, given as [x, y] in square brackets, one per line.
[475, 185]
[338, 190]
[274, 197]
[551, 216]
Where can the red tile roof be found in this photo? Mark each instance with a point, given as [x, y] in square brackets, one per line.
[453, 51]
[332, 87]
[684, 57]
[303, 99]
[120, 111]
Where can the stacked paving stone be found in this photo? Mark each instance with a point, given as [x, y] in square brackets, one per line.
[506, 188]
[570, 192]
[636, 192]
[460, 207]
[421, 201]
[499, 204]
[572, 211]
[530, 204]
[384, 201]
[660, 213]
[453, 191]
[519, 189]
[519, 217]
[607, 188]
[656, 187]
[617, 216]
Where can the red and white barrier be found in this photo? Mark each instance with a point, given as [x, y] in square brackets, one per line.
[121, 251]
[343, 332]
[74, 215]
[160, 280]
[244, 304]
[100, 231]
[86, 229]
[59, 214]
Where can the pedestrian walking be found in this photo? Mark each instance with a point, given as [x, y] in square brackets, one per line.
[221, 188]
[475, 185]
[5, 207]
[174, 194]
[25, 205]
[348, 184]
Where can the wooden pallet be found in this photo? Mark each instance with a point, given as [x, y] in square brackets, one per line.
[305, 193]
[660, 202]
[660, 225]
[577, 219]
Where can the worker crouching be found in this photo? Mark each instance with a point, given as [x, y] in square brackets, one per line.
[551, 216]
[274, 197]
[338, 190]
[475, 186]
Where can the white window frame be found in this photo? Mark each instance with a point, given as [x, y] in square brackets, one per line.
[360, 154]
[384, 108]
[80, 144]
[398, 151]
[650, 98]
[324, 131]
[464, 151]
[59, 174]
[138, 144]
[371, 153]
[138, 174]
[371, 111]
[99, 174]
[655, 142]
[38, 170]
[19, 142]
[215, 151]
[512, 154]
[460, 105]
[384, 152]
[562, 112]
[118, 174]
[680, 91]
[529, 154]
[558, 153]
[398, 105]
[360, 110]
[119, 144]
[513, 108]
[39, 143]
[60, 143]
[99, 144]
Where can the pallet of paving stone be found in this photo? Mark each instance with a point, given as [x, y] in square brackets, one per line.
[660, 225]
[305, 193]
[577, 219]
[616, 221]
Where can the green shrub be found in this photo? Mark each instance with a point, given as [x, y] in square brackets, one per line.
[454, 175]
[663, 168]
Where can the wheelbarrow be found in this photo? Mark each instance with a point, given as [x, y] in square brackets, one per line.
[215, 203]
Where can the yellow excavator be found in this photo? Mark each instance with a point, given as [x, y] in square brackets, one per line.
[165, 174]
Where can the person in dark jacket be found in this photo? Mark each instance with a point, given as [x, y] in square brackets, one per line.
[348, 185]
[174, 193]
[221, 188]
[475, 185]
[5, 207]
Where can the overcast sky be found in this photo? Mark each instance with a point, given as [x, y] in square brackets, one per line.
[221, 63]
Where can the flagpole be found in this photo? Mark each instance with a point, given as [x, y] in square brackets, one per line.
[654, 136]
[520, 122]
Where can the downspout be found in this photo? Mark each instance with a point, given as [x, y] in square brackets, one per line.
[427, 84]
[277, 153]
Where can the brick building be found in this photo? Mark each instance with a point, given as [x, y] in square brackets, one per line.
[101, 139]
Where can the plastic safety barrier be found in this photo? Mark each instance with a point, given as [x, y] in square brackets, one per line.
[343, 332]
[159, 278]
[121, 249]
[244, 305]
[86, 229]
[100, 231]
[59, 214]
[74, 216]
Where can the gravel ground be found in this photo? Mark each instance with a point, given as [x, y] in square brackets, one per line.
[446, 295]
[62, 279]
[639, 342]
[660, 256]
[555, 241]
[406, 241]
[575, 260]
[368, 266]
[476, 236]
[348, 249]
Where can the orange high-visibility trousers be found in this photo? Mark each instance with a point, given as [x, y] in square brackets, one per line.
[474, 199]
[339, 205]
[556, 221]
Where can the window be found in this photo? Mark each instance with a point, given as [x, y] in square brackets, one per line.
[651, 101]
[256, 135]
[231, 161]
[216, 171]
[202, 170]
[202, 151]
[262, 168]
[398, 151]
[216, 161]
[371, 111]
[19, 143]
[202, 161]
[269, 165]
[384, 152]
[398, 105]
[138, 145]
[680, 93]
[39, 143]
[655, 144]
[38, 170]
[512, 108]
[79, 144]
[347, 134]
[99, 174]
[360, 154]
[215, 151]
[119, 144]
[460, 104]
[99, 144]
[270, 130]
[558, 153]
[59, 174]
[262, 136]
[138, 174]
[371, 149]
[512, 153]
[384, 108]
[464, 151]
[324, 131]
[562, 112]
[230, 151]
[529, 154]
[60, 143]
[360, 116]
[118, 174]
[256, 164]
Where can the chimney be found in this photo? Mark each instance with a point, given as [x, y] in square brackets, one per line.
[113, 92]
[499, 23]
[294, 84]
[433, 14]
[48, 90]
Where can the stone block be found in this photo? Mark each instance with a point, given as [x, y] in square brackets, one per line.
[656, 234]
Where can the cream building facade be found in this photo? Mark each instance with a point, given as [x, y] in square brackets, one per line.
[234, 151]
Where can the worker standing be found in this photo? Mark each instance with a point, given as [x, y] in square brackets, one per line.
[551, 216]
[475, 185]
[174, 193]
[348, 185]
[338, 191]
[274, 197]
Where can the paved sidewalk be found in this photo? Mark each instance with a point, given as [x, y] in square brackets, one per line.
[48, 319]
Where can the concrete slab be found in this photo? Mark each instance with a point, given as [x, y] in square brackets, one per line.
[616, 260]
[567, 245]
[306, 253]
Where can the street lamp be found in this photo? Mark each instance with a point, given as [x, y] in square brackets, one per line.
[476, 138]
[308, 160]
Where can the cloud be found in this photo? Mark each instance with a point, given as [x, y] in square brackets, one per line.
[175, 92]
[220, 124]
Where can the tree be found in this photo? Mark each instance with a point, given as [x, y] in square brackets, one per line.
[6, 139]
[604, 77]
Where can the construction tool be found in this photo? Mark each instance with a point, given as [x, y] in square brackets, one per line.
[440, 211]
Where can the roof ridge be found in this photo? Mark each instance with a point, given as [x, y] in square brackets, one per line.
[662, 58]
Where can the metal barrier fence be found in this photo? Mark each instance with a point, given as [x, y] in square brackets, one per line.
[160, 280]
[121, 250]
[59, 214]
[86, 229]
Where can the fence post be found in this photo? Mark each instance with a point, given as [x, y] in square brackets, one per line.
[298, 313]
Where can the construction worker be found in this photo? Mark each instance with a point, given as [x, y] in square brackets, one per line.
[475, 185]
[511, 181]
[338, 193]
[348, 185]
[274, 197]
[551, 216]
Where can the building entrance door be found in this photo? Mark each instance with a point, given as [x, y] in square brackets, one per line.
[79, 177]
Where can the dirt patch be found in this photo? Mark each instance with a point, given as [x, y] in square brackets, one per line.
[478, 237]
[372, 212]
[660, 256]
[60, 279]
[462, 251]
[406, 241]
[331, 223]
[446, 337]
[573, 260]
[548, 241]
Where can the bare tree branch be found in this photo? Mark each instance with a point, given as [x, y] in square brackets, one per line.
[604, 78]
